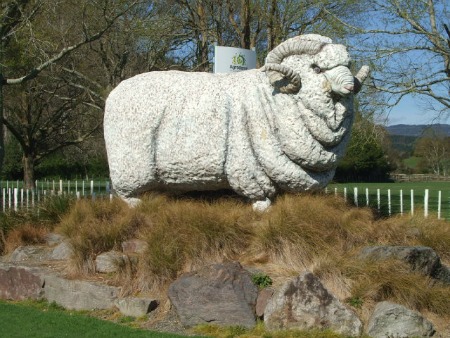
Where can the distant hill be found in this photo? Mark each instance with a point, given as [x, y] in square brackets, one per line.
[404, 136]
[417, 130]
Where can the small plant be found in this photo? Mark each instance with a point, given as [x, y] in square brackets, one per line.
[356, 302]
[262, 280]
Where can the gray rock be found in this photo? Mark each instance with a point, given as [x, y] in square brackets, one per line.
[26, 253]
[19, 283]
[303, 303]
[109, 261]
[54, 239]
[421, 258]
[79, 295]
[134, 246]
[264, 296]
[221, 294]
[136, 307]
[394, 320]
[62, 251]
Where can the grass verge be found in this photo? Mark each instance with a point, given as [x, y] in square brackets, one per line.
[20, 320]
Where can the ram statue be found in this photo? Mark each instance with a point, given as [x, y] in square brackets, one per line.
[259, 132]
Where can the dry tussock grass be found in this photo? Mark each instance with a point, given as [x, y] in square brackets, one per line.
[93, 228]
[304, 232]
[25, 234]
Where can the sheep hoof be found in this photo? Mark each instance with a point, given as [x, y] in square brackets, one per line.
[261, 206]
[132, 201]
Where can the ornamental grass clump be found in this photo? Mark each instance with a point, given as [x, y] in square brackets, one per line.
[300, 230]
[93, 228]
[187, 234]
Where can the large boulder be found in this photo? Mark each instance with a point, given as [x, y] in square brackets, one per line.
[78, 294]
[303, 303]
[420, 258]
[19, 283]
[221, 294]
[394, 320]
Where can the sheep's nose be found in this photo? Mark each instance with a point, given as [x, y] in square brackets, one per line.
[350, 88]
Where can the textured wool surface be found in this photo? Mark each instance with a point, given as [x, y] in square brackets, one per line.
[184, 131]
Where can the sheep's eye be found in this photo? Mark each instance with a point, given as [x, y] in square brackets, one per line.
[317, 69]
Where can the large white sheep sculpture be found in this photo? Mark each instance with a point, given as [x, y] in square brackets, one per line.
[282, 127]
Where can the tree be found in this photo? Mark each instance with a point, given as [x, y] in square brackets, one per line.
[39, 32]
[434, 148]
[367, 154]
[408, 43]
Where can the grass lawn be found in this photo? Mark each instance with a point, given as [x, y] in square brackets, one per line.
[19, 320]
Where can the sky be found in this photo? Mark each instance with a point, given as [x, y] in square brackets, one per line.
[410, 111]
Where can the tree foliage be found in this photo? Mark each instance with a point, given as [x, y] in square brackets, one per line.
[408, 43]
[367, 155]
[434, 150]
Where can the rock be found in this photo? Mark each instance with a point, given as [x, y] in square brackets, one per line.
[79, 295]
[19, 283]
[264, 296]
[109, 261]
[54, 239]
[303, 303]
[394, 320]
[136, 307]
[25, 253]
[62, 251]
[134, 246]
[443, 274]
[421, 258]
[221, 294]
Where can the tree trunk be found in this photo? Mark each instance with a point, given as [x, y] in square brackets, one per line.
[2, 134]
[28, 171]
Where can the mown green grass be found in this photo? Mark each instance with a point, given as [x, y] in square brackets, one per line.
[411, 162]
[21, 320]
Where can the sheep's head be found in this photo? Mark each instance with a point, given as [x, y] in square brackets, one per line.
[327, 60]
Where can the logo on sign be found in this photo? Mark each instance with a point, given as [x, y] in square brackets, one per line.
[238, 62]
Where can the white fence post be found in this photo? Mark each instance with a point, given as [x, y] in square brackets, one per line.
[4, 199]
[16, 198]
[92, 187]
[439, 204]
[378, 200]
[367, 196]
[412, 202]
[345, 194]
[401, 202]
[389, 202]
[425, 203]
[355, 195]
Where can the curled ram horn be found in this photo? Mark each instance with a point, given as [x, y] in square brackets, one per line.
[360, 78]
[277, 72]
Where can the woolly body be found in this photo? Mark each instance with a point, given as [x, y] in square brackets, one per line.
[181, 131]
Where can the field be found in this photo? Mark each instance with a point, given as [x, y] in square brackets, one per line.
[396, 189]
[45, 320]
